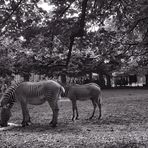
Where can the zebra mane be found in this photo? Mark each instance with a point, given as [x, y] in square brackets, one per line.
[9, 94]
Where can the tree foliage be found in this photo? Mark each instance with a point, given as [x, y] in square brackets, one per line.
[76, 37]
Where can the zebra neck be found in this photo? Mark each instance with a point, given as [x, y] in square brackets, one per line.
[10, 93]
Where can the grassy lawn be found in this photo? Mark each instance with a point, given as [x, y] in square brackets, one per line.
[124, 124]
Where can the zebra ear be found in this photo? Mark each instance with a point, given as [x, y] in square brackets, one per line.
[4, 106]
[7, 106]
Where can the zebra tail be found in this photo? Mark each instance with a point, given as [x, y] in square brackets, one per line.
[61, 92]
[100, 97]
[62, 89]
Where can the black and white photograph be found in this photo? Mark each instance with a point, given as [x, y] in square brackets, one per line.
[73, 73]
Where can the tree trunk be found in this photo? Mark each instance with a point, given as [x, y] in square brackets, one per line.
[26, 77]
[79, 32]
[70, 50]
[101, 80]
[108, 81]
[63, 78]
[146, 77]
[90, 76]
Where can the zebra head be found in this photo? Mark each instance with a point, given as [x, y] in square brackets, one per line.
[5, 102]
[5, 116]
[5, 111]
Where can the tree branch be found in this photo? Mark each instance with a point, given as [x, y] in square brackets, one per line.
[145, 35]
[63, 12]
[56, 66]
[136, 43]
[83, 16]
[137, 22]
[78, 32]
[9, 16]
[70, 50]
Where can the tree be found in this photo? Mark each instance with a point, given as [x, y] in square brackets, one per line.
[113, 30]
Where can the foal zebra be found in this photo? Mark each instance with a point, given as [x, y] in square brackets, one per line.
[35, 93]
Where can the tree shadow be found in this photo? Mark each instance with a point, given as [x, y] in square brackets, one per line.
[46, 128]
[67, 126]
[118, 120]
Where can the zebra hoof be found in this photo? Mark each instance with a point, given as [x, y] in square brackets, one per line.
[90, 118]
[26, 124]
[23, 125]
[99, 117]
[72, 119]
[53, 125]
[3, 125]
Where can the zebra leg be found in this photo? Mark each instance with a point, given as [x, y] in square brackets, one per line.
[55, 110]
[98, 101]
[74, 106]
[94, 105]
[77, 114]
[26, 117]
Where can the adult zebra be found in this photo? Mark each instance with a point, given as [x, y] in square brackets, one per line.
[35, 93]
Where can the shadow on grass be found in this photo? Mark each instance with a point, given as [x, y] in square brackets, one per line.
[126, 145]
[115, 145]
[114, 120]
[67, 126]
[46, 128]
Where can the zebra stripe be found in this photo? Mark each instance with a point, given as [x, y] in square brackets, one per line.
[33, 92]
[9, 94]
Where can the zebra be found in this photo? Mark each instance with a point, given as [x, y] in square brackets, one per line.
[84, 92]
[34, 93]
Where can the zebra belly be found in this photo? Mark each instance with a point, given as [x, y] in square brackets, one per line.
[83, 98]
[36, 100]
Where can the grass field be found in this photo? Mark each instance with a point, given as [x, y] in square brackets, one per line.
[124, 124]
